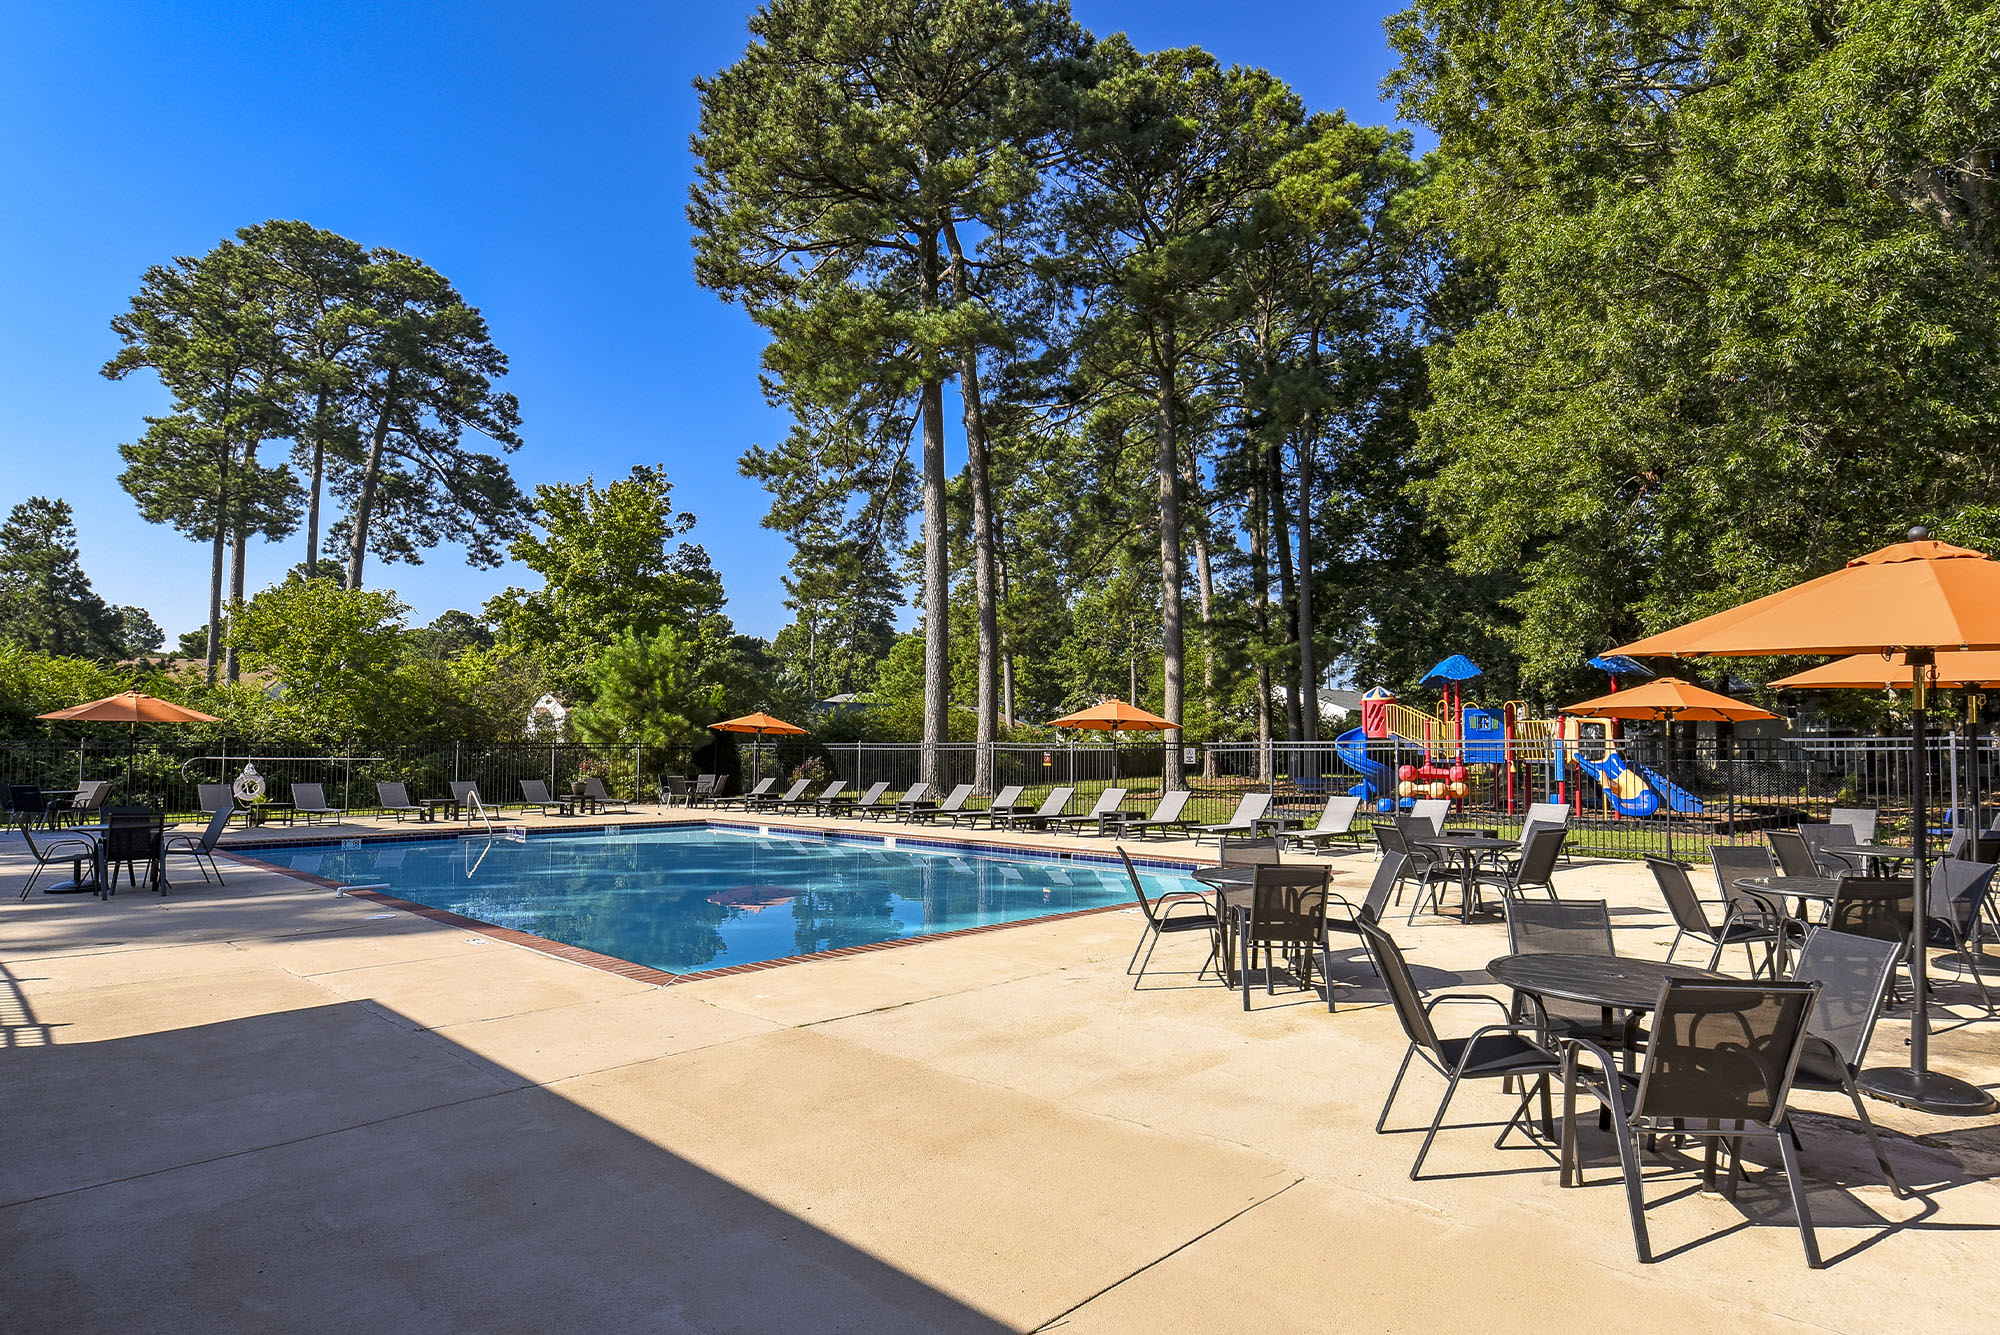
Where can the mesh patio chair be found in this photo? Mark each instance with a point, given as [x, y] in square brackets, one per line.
[72, 848]
[27, 807]
[1350, 917]
[1794, 857]
[1243, 820]
[1008, 800]
[954, 802]
[1436, 810]
[132, 839]
[1108, 801]
[768, 802]
[1535, 869]
[673, 790]
[1287, 905]
[869, 804]
[1569, 927]
[535, 793]
[1263, 852]
[1038, 819]
[1336, 821]
[593, 788]
[802, 799]
[1854, 976]
[1418, 866]
[214, 797]
[1861, 820]
[1734, 861]
[1166, 816]
[394, 799]
[1758, 928]
[1502, 1051]
[309, 800]
[1164, 917]
[88, 801]
[466, 794]
[201, 848]
[917, 797]
[831, 798]
[1723, 1053]
[1958, 891]
[1818, 837]
[1877, 907]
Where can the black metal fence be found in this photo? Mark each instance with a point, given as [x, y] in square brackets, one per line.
[1621, 797]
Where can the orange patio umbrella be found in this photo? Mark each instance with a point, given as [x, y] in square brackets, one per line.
[1114, 716]
[1666, 699]
[1892, 672]
[1917, 597]
[131, 708]
[762, 725]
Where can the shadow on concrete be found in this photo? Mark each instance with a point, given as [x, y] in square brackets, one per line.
[324, 1168]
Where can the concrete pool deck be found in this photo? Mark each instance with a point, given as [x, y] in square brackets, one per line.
[267, 1107]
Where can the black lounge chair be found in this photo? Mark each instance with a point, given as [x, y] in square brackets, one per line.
[593, 788]
[867, 802]
[790, 797]
[394, 799]
[1242, 821]
[953, 803]
[309, 800]
[1166, 816]
[1038, 819]
[1337, 820]
[1007, 802]
[1108, 801]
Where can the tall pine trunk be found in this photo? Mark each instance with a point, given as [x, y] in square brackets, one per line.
[1167, 465]
[364, 496]
[1260, 606]
[215, 563]
[1308, 662]
[937, 565]
[1281, 542]
[985, 582]
[238, 558]
[318, 484]
[1204, 579]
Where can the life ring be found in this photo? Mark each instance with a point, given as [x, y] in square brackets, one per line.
[249, 785]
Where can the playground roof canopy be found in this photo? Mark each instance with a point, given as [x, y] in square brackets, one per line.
[1456, 668]
[1618, 665]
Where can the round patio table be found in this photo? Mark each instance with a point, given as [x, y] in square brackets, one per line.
[1875, 854]
[1609, 982]
[1466, 850]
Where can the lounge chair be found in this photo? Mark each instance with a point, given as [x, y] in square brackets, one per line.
[215, 797]
[869, 802]
[593, 788]
[1436, 810]
[756, 794]
[1166, 816]
[395, 800]
[1038, 819]
[1107, 802]
[201, 849]
[535, 793]
[806, 800]
[1248, 812]
[916, 799]
[466, 794]
[1336, 821]
[309, 800]
[878, 809]
[787, 798]
[953, 803]
[828, 796]
[1008, 801]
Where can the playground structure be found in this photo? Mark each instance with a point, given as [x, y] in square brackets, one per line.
[1499, 761]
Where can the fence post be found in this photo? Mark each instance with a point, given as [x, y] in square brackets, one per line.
[347, 774]
[457, 775]
[635, 770]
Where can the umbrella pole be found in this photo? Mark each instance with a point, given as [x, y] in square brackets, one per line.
[1667, 797]
[1917, 1086]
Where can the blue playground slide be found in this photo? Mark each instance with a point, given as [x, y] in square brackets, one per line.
[1633, 795]
[1376, 778]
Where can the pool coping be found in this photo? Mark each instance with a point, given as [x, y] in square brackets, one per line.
[643, 973]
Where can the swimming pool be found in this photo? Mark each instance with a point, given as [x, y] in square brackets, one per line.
[686, 900]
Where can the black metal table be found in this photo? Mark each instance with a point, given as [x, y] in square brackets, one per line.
[1875, 854]
[1466, 850]
[434, 806]
[1609, 982]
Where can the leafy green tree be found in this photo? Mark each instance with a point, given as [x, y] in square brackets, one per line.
[333, 654]
[46, 602]
[611, 561]
[663, 689]
[138, 633]
[423, 367]
[837, 161]
[1742, 278]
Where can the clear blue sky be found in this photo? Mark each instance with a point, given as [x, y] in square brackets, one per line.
[535, 154]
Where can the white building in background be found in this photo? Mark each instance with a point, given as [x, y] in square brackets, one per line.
[548, 715]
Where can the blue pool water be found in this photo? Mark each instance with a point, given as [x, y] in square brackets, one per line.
[685, 900]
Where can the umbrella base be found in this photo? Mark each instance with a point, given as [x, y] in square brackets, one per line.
[1926, 1091]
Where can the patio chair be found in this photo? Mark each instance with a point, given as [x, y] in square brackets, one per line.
[1720, 1053]
[309, 800]
[132, 838]
[1794, 857]
[801, 797]
[1535, 871]
[1052, 806]
[1244, 820]
[1735, 861]
[1958, 890]
[1436, 810]
[915, 799]
[1861, 820]
[1166, 816]
[1336, 821]
[1008, 800]
[593, 788]
[882, 806]
[1877, 907]
[1817, 838]
[1108, 801]
[1751, 920]
[1369, 911]
[707, 787]
[760, 791]
[1854, 976]
[1503, 1051]
[535, 793]
[466, 794]
[828, 797]
[26, 806]
[1287, 906]
[1544, 813]
[202, 847]
[88, 801]
[1572, 927]
[954, 803]
[867, 803]
[1161, 920]
[69, 848]
[673, 790]
[1265, 851]
[215, 797]
[790, 797]
[1418, 866]
[394, 799]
